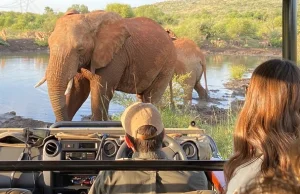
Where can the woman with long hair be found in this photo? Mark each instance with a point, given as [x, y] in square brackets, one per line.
[267, 125]
[280, 182]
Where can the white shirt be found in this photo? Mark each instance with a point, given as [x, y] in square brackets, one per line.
[244, 174]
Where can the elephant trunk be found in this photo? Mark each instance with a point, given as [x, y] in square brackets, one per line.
[58, 101]
[60, 72]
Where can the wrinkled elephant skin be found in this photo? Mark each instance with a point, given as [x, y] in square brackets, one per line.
[190, 59]
[101, 52]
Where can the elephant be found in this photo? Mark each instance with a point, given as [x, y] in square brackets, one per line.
[100, 52]
[190, 59]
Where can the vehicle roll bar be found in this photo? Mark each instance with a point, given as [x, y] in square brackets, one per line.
[86, 124]
[128, 165]
[289, 29]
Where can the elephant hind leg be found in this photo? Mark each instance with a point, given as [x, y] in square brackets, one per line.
[154, 93]
[202, 93]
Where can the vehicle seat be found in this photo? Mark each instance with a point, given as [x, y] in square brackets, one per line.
[14, 191]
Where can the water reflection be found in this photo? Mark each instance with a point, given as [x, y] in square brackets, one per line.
[20, 72]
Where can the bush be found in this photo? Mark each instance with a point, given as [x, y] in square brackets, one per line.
[80, 8]
[152, 12]
[237, 71]
[190, 28]
[178, 87]
[241, 27]
[275, 38]
[2, 42]
[123, 99]
[41, 42]
[124, 10]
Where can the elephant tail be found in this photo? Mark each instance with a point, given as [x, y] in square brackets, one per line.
[172, 104]
[205, 79]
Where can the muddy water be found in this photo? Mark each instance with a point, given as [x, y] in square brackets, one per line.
[20, 72]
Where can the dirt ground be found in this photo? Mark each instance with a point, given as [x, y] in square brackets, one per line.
[21, 45]
[206, 113]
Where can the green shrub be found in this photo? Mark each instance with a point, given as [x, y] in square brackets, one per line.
[80, 8]
[237, 71]
[151, 11]
[124, 10]
[241, 27]
[178, 86]
[123, 99]
[41, 42]
[2, 42]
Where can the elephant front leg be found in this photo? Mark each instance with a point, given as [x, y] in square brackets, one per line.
[100, 96]
[78, 95]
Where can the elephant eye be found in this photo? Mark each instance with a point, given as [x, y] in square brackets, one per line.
[80, 49]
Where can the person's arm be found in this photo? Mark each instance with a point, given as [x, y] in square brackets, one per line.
[96, 187]
[197, 180]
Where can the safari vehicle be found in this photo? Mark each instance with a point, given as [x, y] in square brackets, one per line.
[66, 157]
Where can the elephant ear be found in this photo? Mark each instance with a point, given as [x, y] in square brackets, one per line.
[109, 40]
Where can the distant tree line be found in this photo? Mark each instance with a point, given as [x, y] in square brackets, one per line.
[252, 28]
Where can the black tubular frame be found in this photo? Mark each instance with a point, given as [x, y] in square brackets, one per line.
[289, 29]
[128, 165]
[86, 124]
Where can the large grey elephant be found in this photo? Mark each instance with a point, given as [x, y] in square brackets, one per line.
[101, 52]
[190, 59]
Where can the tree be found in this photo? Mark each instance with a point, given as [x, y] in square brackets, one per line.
[48, 11]
[124, 10]
[150, 11]
[80, 8]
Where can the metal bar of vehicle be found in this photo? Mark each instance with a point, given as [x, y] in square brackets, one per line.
[130, 165]
[77, 130]
[289, 29]
[86, 124]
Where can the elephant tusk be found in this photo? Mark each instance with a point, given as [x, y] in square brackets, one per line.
[40, 82]
[69, 87]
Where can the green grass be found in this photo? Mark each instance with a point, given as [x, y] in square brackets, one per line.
[41, 42]
[222, 132]
[237, 71]
[2, 42]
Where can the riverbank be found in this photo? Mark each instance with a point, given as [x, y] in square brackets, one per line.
[29, 45]
[22, 46]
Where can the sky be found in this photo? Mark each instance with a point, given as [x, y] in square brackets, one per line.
[37, 6]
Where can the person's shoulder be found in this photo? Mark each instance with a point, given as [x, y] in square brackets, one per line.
[183, 174]
[250, 168]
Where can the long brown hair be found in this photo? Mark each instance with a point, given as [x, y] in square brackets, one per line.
[270, 118]
[295, 159]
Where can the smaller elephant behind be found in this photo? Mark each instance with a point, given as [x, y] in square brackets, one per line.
[190, 59]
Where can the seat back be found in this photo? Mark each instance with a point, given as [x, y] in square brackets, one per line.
[14, 191]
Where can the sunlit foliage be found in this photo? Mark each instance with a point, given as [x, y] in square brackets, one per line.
[219, 23]
[124, 10]
[80, 8]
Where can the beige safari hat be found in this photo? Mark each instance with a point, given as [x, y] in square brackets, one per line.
[140, 114]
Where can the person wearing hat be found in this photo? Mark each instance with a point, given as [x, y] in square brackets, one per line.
[144, 134]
